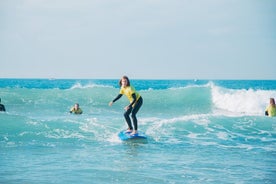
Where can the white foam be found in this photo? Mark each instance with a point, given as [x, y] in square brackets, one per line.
[241, 101]
[222, 135]
[80, 86]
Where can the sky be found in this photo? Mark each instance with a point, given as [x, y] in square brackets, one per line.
[144, 39]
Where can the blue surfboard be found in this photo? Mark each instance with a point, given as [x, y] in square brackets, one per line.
[124, 136]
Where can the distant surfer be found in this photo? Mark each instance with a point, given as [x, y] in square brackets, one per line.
[135, 100]
[271, 109]
[76, 109]
[2, 107]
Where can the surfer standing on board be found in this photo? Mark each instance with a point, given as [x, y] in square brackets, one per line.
[135, 100]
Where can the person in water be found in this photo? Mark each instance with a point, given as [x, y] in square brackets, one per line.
[76, 109]
[135, 100]
[271, 109]
[2, 107]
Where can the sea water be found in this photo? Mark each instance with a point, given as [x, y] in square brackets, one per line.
[199, 131]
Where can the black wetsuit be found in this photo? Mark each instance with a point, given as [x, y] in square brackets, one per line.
[2, 107]
[132, 110]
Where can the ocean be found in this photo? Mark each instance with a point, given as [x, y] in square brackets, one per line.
[199, 131]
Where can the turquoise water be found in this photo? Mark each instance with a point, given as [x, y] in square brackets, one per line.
[199, 131]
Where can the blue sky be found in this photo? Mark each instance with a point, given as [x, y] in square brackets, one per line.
[144, 39]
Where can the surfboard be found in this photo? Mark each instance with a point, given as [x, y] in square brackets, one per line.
[125, 136]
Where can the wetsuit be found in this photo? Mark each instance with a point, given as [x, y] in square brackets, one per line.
[2, 107]
[270, 111]
[76, 111]
[136, 102]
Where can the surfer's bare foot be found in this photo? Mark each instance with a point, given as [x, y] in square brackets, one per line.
[134, 132]
[128, 131]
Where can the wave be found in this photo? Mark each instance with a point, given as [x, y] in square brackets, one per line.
[140, 84]
[78, 85]
[192, 111]
[172, 102]
[241, 101]
[247, 132]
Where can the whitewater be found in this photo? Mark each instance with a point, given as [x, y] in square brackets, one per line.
[199, 131]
